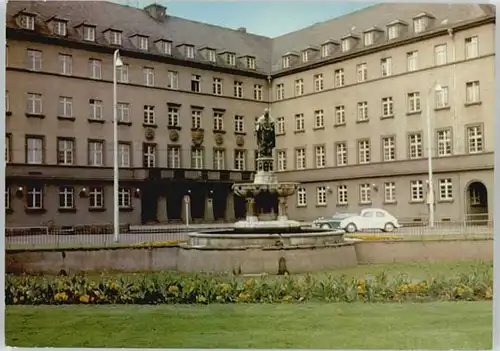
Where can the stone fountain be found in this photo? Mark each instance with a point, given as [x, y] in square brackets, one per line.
[262, 243]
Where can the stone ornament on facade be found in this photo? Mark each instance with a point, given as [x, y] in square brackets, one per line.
[219, 139]
[198, 136]
[240, 141]
[150, 134]
[174, 135]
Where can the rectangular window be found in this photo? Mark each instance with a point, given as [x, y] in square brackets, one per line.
[8, 147]
[280, 125]
[320, 157]
[96, 197]
[250, 62]
[115, 37]
[239, 124]
[325, 50]
[123, 112]
[417, 190]
[471, 47]
[299, 122]
[280, 91]
[318, 82]
[415, 147]
[34, 150]
[440, 57]
[281, 156]
[301, 197]
[305, 56]
[88, 33]
[387, 107]
[339, 78]
[389, 192]
[392, 32]
[27, 22]
[442, 98]
[172, 80]
[345, 45]
[231, 59]
[219, 159]
[65, 151]
[365, 196]
[444, 142]
[95, 69]
[34, 60]
[364, 155]
[196, 118]
[299, 87]
[362, 72]
[321, 196]
[174, 157]
[412, 61]
[65, 107]
[124, 155]
[217, 86]
[218, 121]
[340, 115]
[34, 198]
[149, 155]
[34, 105]
[341, 153]
[386, 66]
[149, 115]
[238, 89]
[96, 153]
[122, 74]
[149, 76]
[342, 195]
[95, 109]
[239, 160]
[319, 119]
[59, 28]
[66, 197]
[419, 25]
[362, 111]
[189, 51]
[300, 158]
[196, 83]
[413, 102]
[368, 39]
[143, 43]
[472, 92]
[285, 62]
[445, 189]
[173, 117]
[475, 139]
[211, 55]
[389, 148]
[124, 198]
[197, 158]
[65, 64]
[257, 92]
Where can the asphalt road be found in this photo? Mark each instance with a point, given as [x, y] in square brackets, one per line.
[180, 234]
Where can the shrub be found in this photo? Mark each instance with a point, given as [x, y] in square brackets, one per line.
[174, 288]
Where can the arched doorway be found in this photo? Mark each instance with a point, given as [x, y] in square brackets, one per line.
[477, 203]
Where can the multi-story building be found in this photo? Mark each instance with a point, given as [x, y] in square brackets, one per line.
[350, 96]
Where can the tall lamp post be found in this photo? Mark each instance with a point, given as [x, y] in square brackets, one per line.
[117, 62]
[436, 87]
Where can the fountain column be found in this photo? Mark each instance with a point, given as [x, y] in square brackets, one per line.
[250, 216]
[282, 205]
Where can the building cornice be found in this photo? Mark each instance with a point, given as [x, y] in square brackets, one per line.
[384, 46]
[23, 35]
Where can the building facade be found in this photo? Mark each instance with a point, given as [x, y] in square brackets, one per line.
[351, 112]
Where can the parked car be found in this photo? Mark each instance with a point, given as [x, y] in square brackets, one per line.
[370, 218]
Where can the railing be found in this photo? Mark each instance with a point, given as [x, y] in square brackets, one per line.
[102, 235]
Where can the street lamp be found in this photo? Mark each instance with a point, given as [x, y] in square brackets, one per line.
[436, 87]
[117, 62]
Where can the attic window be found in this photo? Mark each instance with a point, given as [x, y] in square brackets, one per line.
[212, 57]
[59, 27]
[251, 62]
[325, 50]
[230, 59]
[305, 56]
[165, 47]
[189, 51]
[346, 45]
[419, 24]
[368, 38]
[115, 37]
[88, 33]
[286, 62]
[142, 42]
[27, 21]
[392, 32]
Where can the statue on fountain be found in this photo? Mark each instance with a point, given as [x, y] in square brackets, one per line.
[266, 134]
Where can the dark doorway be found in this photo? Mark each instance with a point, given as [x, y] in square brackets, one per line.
[477, 203]
[239, 207]
[149, 203]
[198, 193]
[175, 192]
[219, 200]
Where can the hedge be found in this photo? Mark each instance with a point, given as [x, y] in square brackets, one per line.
[203, 288]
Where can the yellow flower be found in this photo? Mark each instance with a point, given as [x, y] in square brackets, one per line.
[15, 300]
[489, 294]
[61, 296]
[460, 291]
[243, 297]
[84, 298]
[173, 289]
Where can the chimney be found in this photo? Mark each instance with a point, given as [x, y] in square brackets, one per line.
[156, 11]
[242, 30]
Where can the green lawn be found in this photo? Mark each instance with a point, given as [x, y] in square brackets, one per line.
[439, 325]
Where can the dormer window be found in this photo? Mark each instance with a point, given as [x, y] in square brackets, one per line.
[231, 59]
[27, 21]
[346, 45]
[142, 43]
[164, 46]
[305, 56]
[250, 62]
[285, 61]
[59, 27]
[325, 50]
[88, 33]
[189, 51]
[396, 29]
[368, 38]
[115, 37]
[392, 32]
[419, 24]
[211, 55]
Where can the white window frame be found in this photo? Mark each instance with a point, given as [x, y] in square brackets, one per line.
[196, 83]
[414, 102]
[305, 56]
[321, 198]
[325, 50]
[339, 78]
[387, 106]
[211, 55]
[340, 115]
[444, 142]
[368, 38]
[65, 107]
[197, 158]
[66, 197]
[96, 153]
[319, 119]
[301, 197]
[250, 62]
[299, 122]
[190, 51]
[445, 189]
[34, 198]
[149, 76]
[123, 112]
[239, 160]
[149, 155]
[363, 111]
[440, 55]
[88, 33]
[472, 92]
[95, 69]
[143, 43]
[35, 58]
[60, 28]
[35, 104]
[318, 82]
[115, 37]
[342, 194]
[341, 154]
[365, 194]
[166, 47]
[124, 198]
[442, 98]
[217, 86]
[173, 116]
[280, 125]
[419, 24]
[196, 117]
[124, 153]
[475, 139]
[392, 32]
[320, 156]
[300, 158]
[219, 159]
[299, 87]
[34, 150]
[173, 80]
[96, 110]
[362, 72]
[389, 148]
[412, 61]
[471, 47]
[364, 152]
[257, 92]
[280, 91]
[66, 152]
[96, 197]
[174, 157]
[386, 66]
[239, 124]
[285, 62]
[345, 45]
[416, 191]
[27, 22]
[122, 74]
[415, 146]
[149, 115]
[390, 192]
[238, 89]
[66, 64]
[218, 119]
[281, 158]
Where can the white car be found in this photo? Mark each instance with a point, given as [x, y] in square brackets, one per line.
[370, 218]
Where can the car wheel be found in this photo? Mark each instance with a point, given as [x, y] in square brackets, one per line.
[351, 228]
[325, 226]
[389, 227]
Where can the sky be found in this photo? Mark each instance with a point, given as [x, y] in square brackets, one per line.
[268, 18]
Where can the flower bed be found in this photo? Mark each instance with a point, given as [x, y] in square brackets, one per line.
[189, 289]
